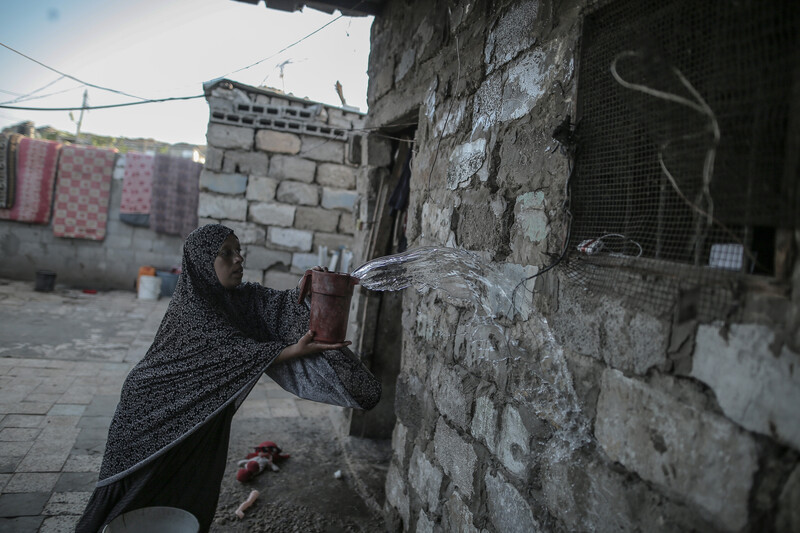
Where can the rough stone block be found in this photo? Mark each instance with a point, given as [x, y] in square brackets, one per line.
[316, 219]
[396, 493]
[277, 142]
[530, 217]
[246, 162]
[302, 262]
[292, 168]
[261, 189]
[333, 241]
[449, 393]
[511, 34]
[756, 388]
[344, 121]
[272, 214]
[424, 524]
[339, 176]
[338, 199]
[692, 452]
[318, 149]
[486, 104]
[261, 258]
[436, 222]
[380, 80]
[466, 160]
[481, 221]
[484, 422]
[513, 446]
[459, 517]
[347, 224]
[223, 183]
[589, 494]
[290, 239]
[605, 329]
[220, 207]
[399, 436]
[508, 509]
[221, 136]
[499, 299]
[292, 192]
[280, 280]
[404, 64]
[213, 158]
[425, 478]
[526, 83]
[456, 456]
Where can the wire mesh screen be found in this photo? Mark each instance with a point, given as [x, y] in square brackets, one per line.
[687, 135]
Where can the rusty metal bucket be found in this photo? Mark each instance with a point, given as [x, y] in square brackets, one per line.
[330, 303]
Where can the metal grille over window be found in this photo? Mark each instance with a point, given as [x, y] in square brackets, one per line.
[688, 135]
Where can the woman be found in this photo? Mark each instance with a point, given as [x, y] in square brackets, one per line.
[167, 444]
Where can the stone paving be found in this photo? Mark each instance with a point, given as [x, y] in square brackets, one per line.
[63, 358]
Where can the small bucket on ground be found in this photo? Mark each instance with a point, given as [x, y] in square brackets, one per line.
[149, 287]
[144, 271]
[45, 281]
[154, 520]
[330, 303]
[168, 282]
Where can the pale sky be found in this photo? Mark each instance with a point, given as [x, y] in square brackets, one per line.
[166, 48]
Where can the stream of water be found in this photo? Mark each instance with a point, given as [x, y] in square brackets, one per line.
[502, 316]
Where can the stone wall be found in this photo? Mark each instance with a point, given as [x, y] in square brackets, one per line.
[112, 263]
[606, 418]
[279, 171]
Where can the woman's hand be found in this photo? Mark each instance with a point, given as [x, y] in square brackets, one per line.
[307, 346]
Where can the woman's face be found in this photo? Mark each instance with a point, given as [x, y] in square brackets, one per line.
[229, 263]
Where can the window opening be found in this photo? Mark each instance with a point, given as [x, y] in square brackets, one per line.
[683, 177]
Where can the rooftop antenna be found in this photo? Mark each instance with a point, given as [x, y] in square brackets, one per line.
[338, 87]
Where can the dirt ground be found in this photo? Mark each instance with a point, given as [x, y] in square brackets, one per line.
[304, 496]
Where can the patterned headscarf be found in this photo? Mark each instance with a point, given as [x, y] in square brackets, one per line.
[211, 348]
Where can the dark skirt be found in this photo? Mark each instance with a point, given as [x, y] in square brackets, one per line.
[187, 477]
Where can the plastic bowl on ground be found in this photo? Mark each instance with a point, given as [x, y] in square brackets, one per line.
[154, 520]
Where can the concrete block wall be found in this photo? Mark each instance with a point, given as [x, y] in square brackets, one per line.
[607, 418]
[284, 191]
[112, 263]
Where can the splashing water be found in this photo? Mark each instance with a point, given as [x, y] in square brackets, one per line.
[503, 314]
[461, 275]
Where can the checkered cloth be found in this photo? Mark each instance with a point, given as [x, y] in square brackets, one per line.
[137, 184]
[82, 193]
[176, 189]
[35, 171]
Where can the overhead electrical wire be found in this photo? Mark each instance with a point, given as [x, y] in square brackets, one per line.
[282, 50]
[71, 77]
[143, 100]
[90, 108]
[29, 96]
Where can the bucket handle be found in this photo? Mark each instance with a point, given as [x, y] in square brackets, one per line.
[305, 285]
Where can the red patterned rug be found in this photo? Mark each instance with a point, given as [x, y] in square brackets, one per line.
[35, 173]
[137, 184]
[82, 193]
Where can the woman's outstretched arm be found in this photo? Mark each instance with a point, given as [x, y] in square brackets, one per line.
[307, 346]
